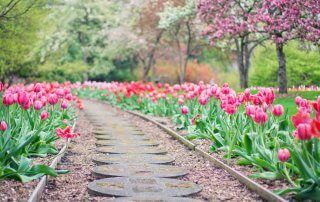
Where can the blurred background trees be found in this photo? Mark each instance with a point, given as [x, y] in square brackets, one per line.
[161, 40]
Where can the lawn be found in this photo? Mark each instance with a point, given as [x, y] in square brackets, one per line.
[288, 100]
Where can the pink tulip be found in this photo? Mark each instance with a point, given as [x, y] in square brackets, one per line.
[3, 126]
[260, 117]
[22, 98]
[283, 155]
[184, 110]
[180, 101]
[64, 104]
[277, 110]
[37, 88]
[8, 99]
[37, 105]
[250, 109]
[53, 99]
[304, 131]
[44, 115]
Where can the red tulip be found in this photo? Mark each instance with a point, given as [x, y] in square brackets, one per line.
[283, 155]
[300, 117]
[277, 110]
[184, 110]
[66, 133]
[315, 128]
[304, 131]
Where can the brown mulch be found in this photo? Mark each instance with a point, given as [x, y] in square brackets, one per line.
[78, 160]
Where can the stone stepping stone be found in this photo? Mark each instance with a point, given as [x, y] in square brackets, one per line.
[132, 158]
[153, 199]
[113, 137]
[143, 187]
[131, 150]
[118, 130]
[125, 142]
[138, 170]
[113, 132]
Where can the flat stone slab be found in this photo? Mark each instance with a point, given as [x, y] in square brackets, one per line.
[114, 137]
[126, 142]
[153, 199]
[138, 170]
[132, 158]
[131, 150]
[143, 187]
[113, 132]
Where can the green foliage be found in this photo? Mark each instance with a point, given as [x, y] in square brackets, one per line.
[303, 68]
[18, 33]
[71, 71]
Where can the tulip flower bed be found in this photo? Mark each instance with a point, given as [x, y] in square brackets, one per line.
[245, 127]
[33, 117]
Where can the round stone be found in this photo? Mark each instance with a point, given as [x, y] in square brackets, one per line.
[142, 187]
[125, 142]
[131, 150]
[138, 170]
[132, 159]
[153, 199]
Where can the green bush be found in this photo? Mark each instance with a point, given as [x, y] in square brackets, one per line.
[303, 67]
[72, 71]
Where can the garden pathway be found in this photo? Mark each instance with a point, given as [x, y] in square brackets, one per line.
[130, 165]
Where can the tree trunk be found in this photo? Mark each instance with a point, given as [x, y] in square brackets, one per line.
[282, 72]
[185, 64]
[150, 57]
[242, 63]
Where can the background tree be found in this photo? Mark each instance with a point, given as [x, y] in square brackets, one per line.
[233, 20]
[179, 20]
[284, 20]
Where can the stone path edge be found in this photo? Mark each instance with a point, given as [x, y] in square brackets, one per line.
[252, 185]
[37, 192]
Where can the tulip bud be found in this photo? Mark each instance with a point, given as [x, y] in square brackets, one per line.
[3, 126]
[277, 110]
[37, 105]
[304, 131]
[44, 115]
[64, 104]
[283, 155]
[184, 110]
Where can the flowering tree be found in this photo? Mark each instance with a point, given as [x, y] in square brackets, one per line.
[233, 20]
[179, 20]
[284, 20]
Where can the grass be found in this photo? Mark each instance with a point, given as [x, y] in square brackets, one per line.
[288, 100]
